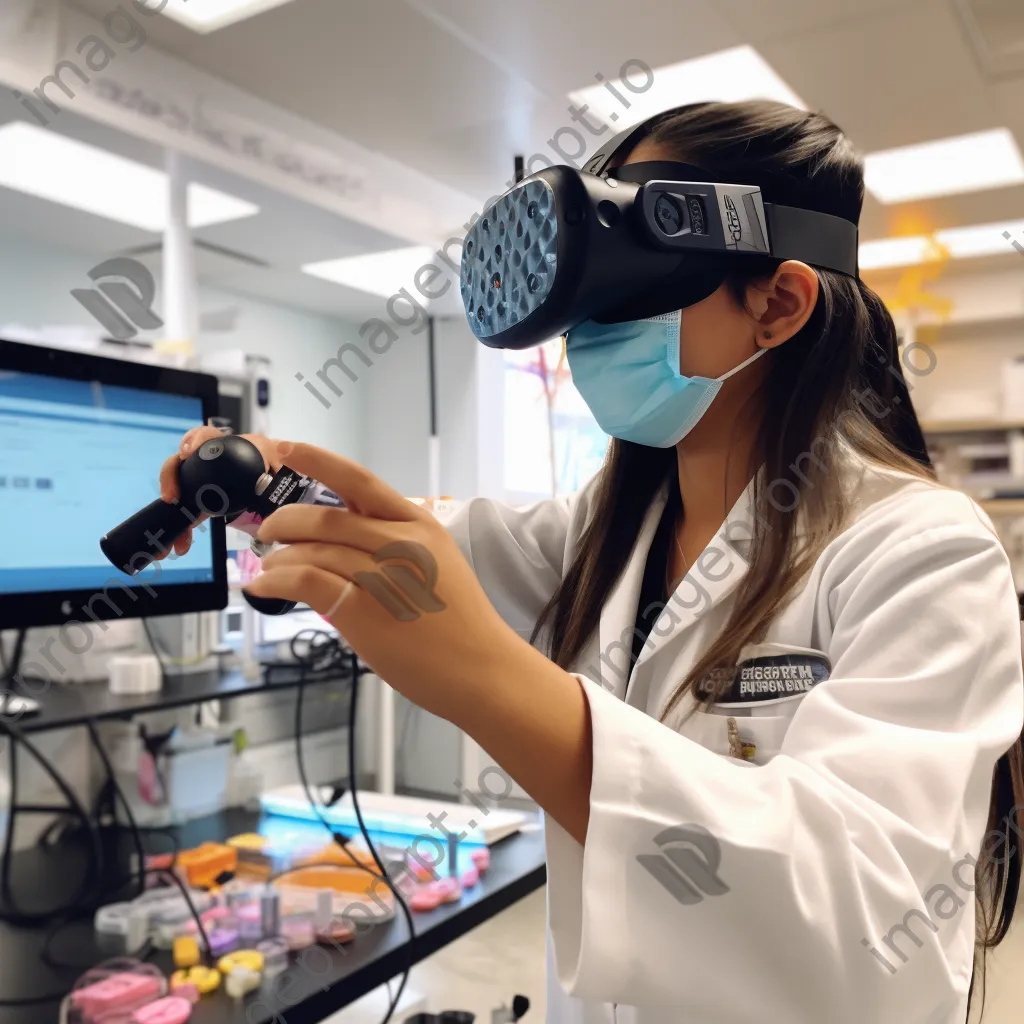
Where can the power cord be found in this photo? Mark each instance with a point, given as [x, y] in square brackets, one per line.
[410, 942]
[141, 870]
[166, 659]
[157, 653]
[140, 853]
[322, 649]
[77, 909]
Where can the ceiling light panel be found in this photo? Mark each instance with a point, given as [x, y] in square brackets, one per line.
[740, 73]
[945, 167]
[54, 167]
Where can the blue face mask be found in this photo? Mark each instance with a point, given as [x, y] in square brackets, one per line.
[628, 374]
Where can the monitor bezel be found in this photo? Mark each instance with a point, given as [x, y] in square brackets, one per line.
[59, 608]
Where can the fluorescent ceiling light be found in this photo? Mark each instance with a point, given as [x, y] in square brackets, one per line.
[945, 167]
[50, 166]
[740, 73]
[981, 239]
[379, 273]
[961, 243]
[209, 15]
[893, 252]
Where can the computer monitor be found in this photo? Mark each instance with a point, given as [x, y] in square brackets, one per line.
[82, 439]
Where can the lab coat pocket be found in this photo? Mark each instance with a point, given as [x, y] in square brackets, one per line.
[754, 703]
[750, 738]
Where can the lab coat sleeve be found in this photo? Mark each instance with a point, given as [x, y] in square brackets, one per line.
[518, 554]
[858, 835]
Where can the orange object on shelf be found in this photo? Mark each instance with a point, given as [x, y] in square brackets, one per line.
[327, 876]
[332, 853]
[203, 865]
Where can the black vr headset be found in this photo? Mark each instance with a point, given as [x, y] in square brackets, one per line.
[564, 245]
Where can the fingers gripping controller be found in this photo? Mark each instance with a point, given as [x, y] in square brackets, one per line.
[224, 478]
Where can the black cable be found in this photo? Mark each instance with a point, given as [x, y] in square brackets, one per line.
[331, 649]
[205, 949]
[141, 870]
[64, 916]
[42, 809]
[140, 853]
[13, 916]
[156, 652]
[369, 842]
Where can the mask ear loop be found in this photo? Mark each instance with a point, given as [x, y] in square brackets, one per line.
[746, 362]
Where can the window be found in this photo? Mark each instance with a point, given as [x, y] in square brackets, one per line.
[552, 443]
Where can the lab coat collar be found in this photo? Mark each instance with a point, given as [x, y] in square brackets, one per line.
[618, 616]
[713, 576]
[716, 573]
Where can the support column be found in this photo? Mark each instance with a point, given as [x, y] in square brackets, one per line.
[180, 288]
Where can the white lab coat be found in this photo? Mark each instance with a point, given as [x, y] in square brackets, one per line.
[862, 796]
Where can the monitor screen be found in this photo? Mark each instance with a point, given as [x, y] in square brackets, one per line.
[77, 458]
[81, 445]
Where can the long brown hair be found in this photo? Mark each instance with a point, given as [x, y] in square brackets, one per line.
[838, 382]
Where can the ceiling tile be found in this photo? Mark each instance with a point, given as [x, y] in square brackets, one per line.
[780, 19]
[904, 76]
[561, 46]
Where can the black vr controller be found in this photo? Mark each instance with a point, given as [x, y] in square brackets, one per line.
[223, 478]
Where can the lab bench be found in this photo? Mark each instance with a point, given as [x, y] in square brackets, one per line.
[303, 994]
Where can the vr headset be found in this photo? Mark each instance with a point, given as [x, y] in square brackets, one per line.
[612, 244]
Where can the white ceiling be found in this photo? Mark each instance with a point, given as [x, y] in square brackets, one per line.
[455, 88]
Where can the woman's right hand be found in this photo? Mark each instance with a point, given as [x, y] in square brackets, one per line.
[189, 443]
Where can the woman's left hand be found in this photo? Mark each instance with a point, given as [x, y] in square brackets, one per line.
[390, 579]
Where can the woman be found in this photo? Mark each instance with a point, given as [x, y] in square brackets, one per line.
[791, 842]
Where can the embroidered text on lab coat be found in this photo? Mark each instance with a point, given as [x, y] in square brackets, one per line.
[765, 680]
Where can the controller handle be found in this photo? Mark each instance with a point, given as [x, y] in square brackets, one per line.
[222, 478]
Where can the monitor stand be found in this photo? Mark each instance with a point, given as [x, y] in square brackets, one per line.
[13, 706]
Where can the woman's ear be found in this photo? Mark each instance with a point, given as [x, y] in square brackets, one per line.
[782, 305]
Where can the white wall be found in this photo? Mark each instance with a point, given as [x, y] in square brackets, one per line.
[470, 422]
[294, 341]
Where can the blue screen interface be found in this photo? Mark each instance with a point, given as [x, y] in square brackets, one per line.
[76, 459]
